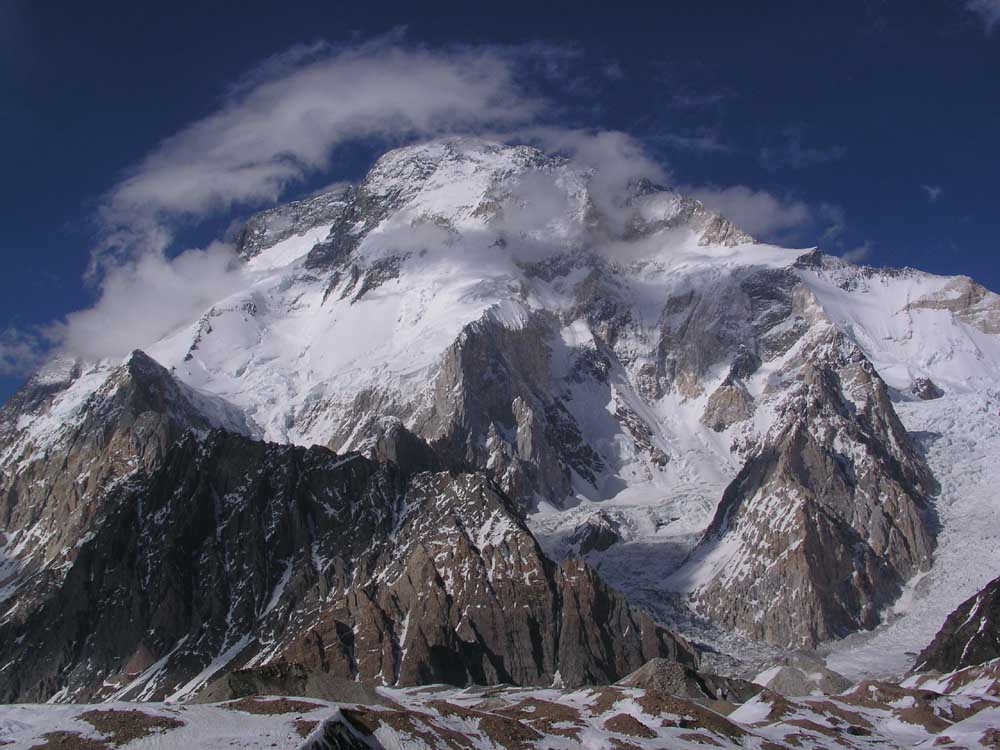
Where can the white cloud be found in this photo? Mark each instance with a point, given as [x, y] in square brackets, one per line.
[758, 212]
[283, 122]
[988, 12]
[615, 158]
[933, 192]
[146, 298]
[276, 126]
[858, 254]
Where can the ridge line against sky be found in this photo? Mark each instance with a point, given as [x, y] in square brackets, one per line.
[302, 114]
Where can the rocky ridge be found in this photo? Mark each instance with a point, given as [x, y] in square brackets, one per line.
[226, 551]
[970, 636]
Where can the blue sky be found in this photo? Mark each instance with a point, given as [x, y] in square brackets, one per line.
[868, 128]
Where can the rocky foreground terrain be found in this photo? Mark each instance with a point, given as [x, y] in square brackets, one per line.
[656, 710]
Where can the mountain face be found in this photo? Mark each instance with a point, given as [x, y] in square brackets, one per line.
[67, 436]
[228, 551]
[478, 353]
[970, 635]
[829, 515]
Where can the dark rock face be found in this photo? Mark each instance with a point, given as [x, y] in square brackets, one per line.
[599, 532]
[925, 389]
[268, 228]
[745, 364]
[970, 635]
[127, 425]
[286, 679]
[671, 678]
[750, 317]
[236, 552]
[730, 403]
[495, 410]
[829, 516]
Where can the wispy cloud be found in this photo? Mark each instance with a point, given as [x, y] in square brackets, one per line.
[614, 157]
[933, 192]
[797, 156]
[860, 253]
[284, 120]
[145, 299]
[988, 12]
[20, 351]
[759, 212]
[791, 152]
[834, 222]
[701, 142]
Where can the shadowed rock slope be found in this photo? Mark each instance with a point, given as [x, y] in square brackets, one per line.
[230, 552]
[970, 635]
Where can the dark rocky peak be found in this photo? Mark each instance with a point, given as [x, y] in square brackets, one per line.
[970, 635]
[239, 553]
[598, 532]
[745, 363]
[829, 516]
[666, 677]
[392, 443]
[59, 461]
[142, 387]
[268, 228]
[812, 260]
[925, 389]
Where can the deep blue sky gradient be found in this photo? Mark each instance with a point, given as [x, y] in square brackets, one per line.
[853, 104]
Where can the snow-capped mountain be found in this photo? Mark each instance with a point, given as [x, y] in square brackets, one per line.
[753, 431]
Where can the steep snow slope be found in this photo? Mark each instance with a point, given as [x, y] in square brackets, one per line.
[914, 325]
